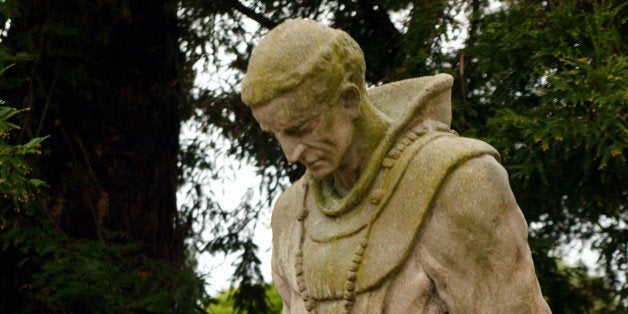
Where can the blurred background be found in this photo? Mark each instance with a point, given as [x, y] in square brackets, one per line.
[130, 169]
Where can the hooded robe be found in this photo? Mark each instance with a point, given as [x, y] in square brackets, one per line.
[431, 226]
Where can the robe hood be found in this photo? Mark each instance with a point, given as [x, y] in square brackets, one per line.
[422, 103]
[414, 101]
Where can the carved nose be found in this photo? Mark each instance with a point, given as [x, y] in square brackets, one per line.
[295, 155]
[291, 148]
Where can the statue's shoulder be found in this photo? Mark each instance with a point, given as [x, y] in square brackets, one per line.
[449, 151]
[432, 161]
[287, 206]
[456, 168]
[291, 196]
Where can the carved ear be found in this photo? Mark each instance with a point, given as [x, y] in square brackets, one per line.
[350, 100]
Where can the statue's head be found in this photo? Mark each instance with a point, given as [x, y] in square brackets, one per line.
[304, 84]
[297, 50]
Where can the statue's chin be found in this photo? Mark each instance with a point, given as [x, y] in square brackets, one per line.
[319, 175]
[319, 171]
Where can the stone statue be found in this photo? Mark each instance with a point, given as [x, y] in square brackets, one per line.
[396, 213]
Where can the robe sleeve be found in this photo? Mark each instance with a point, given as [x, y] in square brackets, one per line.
[280, 225]
[282, 288]
[474, 247]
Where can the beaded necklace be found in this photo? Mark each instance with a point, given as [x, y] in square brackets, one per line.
[349, 293]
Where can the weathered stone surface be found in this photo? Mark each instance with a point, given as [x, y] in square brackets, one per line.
[396, 213]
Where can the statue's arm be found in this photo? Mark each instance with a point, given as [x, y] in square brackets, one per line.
[474, 244]
[282, 287]
[280, 224]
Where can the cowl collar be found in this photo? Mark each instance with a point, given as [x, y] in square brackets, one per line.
[423, 102]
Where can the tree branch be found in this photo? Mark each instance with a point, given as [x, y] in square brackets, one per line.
[259, 18]
[464, 60]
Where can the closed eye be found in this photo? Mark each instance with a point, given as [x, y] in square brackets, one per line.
[298, 129]
[294, 131]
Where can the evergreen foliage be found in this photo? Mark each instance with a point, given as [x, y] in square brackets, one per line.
[103, 81]
[224, 304]
[69, 275]
[560, 120]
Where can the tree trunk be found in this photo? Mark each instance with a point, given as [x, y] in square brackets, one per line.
[104, 82]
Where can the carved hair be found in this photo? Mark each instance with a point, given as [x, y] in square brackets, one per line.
[297, 50]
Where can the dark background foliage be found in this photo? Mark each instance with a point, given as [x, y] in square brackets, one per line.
[109, 82]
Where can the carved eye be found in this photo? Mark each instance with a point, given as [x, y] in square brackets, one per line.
[293, 131]
[298, 129]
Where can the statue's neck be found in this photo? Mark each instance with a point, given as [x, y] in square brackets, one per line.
[370, 128]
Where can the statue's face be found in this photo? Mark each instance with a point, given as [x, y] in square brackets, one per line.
[314, 134]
